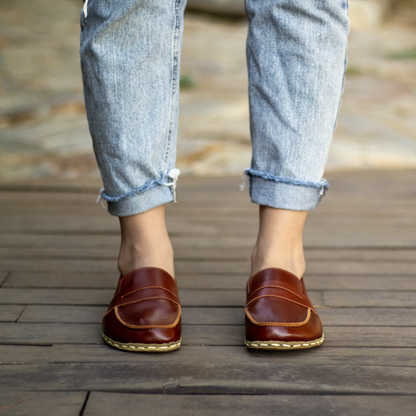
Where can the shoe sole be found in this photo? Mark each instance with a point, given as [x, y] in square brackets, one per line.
[290, 345]
[128, 346]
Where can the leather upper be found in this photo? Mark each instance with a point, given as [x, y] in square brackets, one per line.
[145, 308]
[278, 308]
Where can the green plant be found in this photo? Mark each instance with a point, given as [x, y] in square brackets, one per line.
[353, 71]
[404, 54]
[187, 81]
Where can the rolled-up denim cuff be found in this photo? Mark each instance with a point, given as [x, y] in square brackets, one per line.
[150, 195]
[284, 193]
[141, 202]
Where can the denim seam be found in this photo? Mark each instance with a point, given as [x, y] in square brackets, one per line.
[148, 185]
[175, 54]
[346, 2]
[323, 185]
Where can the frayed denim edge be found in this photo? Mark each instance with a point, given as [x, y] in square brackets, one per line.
[169, 178]
[323, 184]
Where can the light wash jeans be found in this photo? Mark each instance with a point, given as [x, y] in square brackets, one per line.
[130, 58]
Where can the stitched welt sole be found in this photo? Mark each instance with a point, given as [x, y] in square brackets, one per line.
[127, 346]
[280, 345]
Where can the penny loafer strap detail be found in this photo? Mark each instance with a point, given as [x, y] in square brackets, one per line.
[172, 325]
[280, 324]
[154, 292]
[143, 299]
[281, 293]
[306, 305]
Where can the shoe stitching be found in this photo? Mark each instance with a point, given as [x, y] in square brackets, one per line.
[284, 345]
[150, 347]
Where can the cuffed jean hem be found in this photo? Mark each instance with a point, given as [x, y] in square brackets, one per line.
[142, 202]
[285, 195]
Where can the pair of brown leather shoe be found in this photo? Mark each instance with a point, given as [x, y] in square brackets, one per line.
[145, 313]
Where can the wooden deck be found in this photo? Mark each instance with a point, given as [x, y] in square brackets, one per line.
[58, 254]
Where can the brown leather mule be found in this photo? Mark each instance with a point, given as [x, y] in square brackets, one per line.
[145, 313]
[279, 314]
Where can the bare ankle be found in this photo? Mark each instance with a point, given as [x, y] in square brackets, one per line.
[145, 242]
[279, 243]
[292, 261]
[134, 257]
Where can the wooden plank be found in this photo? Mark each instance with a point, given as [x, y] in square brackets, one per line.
[208, 377]
[364, 282]
[207, 267]
[48, 334]
[36, 403]
[208, 297]
[245, 210]
[10, 313]
[61, 280]
[232, 355]
[185, 253]
[108, 404]
[225, 316]
[56, 296]
[350, 299]
[93, 314]
[367, 316]
[359, 237]
[335, 336]
[68, 241]
[59, 266]
[209, 226]
[204, 334]
[62, 314]
[313, 267]
[213, 281]
[112, 240]
[23, 241]
[362, 336]
[180, 242]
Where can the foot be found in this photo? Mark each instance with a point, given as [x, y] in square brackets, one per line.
[279, 243]
[145, 313]
[279, 314]
[145, 242]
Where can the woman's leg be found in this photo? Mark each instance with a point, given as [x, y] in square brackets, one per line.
[296, 61]
[130, 53]
[296, 54]
[130, 58]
